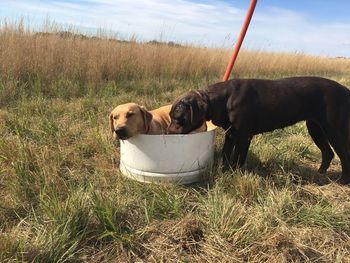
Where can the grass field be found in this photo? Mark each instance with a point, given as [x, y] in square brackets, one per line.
[64, 200]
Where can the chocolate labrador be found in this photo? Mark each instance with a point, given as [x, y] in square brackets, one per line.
[245, 107]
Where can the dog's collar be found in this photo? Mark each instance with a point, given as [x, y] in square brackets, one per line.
[198, 93]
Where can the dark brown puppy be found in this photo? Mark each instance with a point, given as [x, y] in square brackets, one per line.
[245, 107]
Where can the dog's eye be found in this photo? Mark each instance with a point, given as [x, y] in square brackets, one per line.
[115, 117]
[129, 114]
[180, 107]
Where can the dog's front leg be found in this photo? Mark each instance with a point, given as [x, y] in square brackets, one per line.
[230, 141]
[241, 150]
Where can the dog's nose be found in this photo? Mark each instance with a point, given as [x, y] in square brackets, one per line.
[121, 132]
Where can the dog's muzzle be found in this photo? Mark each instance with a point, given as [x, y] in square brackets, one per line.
[121, 132]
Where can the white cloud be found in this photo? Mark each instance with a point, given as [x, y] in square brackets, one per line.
[206, 23]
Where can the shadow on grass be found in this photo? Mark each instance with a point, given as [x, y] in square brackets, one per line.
[309, 175]
[300, 173]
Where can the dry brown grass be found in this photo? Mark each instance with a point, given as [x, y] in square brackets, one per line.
[55, 56]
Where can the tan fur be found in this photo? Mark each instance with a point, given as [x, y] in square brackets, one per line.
[141, 121]
[160, 120]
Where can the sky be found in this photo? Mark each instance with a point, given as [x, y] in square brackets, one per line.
[317, 27]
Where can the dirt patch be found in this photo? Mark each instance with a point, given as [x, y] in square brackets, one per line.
[172, 240]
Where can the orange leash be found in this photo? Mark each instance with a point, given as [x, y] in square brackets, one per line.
[240, 39]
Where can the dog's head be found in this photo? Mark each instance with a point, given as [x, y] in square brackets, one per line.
[128, 120]
[188, 113]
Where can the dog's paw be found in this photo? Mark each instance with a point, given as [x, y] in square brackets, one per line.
[322, 170]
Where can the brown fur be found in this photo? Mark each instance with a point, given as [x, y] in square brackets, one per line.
[246, 107]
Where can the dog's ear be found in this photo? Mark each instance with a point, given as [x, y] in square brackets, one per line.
[111, 122]
[202, 105]
[198, 109]
[191, 110]
[147, 117]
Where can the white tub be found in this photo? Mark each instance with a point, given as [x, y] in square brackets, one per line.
[180, 159]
